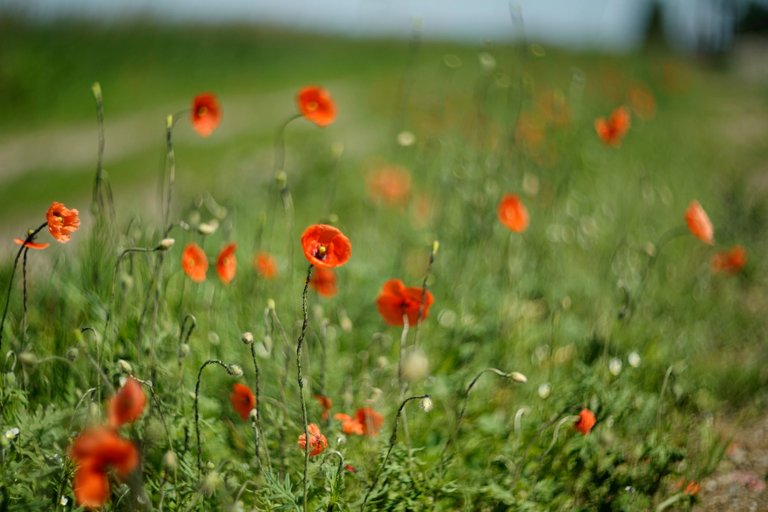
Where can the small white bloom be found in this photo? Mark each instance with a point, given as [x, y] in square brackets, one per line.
[634, 359]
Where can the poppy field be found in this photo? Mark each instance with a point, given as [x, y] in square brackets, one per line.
[376, 275]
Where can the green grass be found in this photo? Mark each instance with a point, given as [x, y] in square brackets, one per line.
[545, 302]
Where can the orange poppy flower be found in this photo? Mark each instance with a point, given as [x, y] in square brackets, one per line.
[324, 281]
[265, 265]
[325, 404]
[206, 114]
[127, 405]
[242, 400]
[317, 441]
[692, 489]
[30, 244]
[226, 264]
[325, 246]
[395, 300]
[194, 262]
[730, 261]
[391, 185]
[316, 105]
[612, 130]
[366, 422]
[513, 213]
[94, 451]
[62, 221]
[699, 223]
[585, 422]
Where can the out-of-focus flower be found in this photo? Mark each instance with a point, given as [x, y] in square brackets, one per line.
[316, 105]
[62, 221]
[194, 262]
[699, 223]
[395, 300]
[206, 114]
[226, 263]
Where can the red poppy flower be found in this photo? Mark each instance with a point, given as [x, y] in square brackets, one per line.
[127, 405]
[395, 300]
[316, 105]
[324, 281]
[265, 265]
[194, 262]
[226, 264]
[692, 489]
[62, 221]
[366, 422]
[317, 441]
[612, 130]
[370, 420]
[391, 185]
[585, 422]
[206, 114]
[325, 246]
[242, 400]
[349, 425]
[730, 261]
[30, 244]
[513, 213]
[699, 223]
[325, 404]
[94, 452]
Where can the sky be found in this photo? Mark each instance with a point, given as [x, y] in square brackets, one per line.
[610, 25]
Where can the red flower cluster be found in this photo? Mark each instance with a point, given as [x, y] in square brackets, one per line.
[98, 449]
[194, 262]
[395, 300]
[317, 441]
[366, 422]
[612, 130]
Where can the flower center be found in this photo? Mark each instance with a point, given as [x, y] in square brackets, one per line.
[312, 106]
[202, 110]
[321, 252]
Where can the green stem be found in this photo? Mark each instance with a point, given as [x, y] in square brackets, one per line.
[299, 344]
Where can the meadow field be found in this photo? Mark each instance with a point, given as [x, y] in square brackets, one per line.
[312, 273]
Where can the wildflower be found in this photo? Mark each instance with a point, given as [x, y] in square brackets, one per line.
[585, 422]
[395, 300]
[324, 282]
[366, 422]
[643, 102]
[692, 489]
[316, 105]
[325, 246]
[325, 405]
[699, 223]
[62, 221]
[513, 213]
[94, 452]
[391, 185]
[242, 400]
[127, 405]
[317, 441]
[247, 338]
[206, 114]
[265, 265]
[612, 130]
[30, 244]
[226, 264]
[194, 262]
[730, 261]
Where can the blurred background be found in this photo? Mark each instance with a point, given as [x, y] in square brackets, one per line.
[153, 57]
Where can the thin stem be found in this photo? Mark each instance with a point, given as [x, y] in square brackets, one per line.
[299, 344]
[403, 340]
[30, 237]
[392, 441]
[24, 294]
[97, 200]
[556, 433]
[119, 260]
[667, 375]
[279, 155]
[257, 420]
[435, 247]
[338, 478]
[452, 439]
[197, 411]
[170, 162]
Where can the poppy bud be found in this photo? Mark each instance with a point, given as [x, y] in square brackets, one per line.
[518, 377]
[633, 359]
[426, 404]
[170, 460]
[271, 304]
[28, 358]
[614, 366]
[235, 370]
[165, 244]
[208, 228]
[72, 353]
[544, 391]
[183, 350]
[125, 366]
[247, 338]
